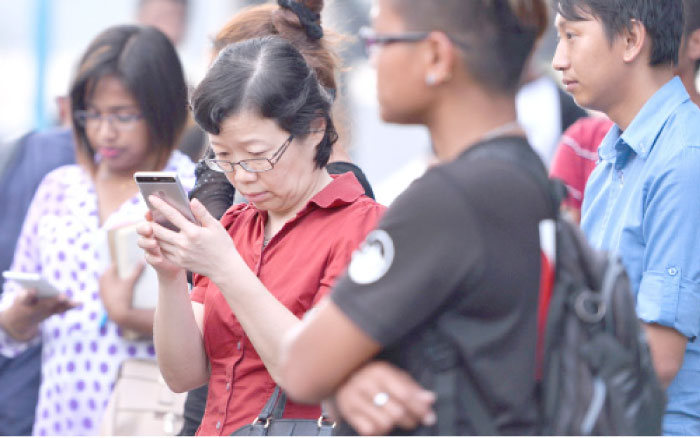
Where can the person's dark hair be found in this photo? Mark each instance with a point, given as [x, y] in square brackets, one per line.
[496, 36]
[273, 19]
[663, 21]
[146, 62]
[691, 11]
[269, 77]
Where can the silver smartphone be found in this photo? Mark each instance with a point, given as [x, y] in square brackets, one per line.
[167, 186]
[31, 280]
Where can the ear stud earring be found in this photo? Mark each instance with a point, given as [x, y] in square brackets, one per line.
[430, 79]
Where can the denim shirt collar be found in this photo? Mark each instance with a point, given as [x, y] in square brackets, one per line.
[640, 135]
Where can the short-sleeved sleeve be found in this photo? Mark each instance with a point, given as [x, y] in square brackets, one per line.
[409, 267]
[669, 292]
[27, 258]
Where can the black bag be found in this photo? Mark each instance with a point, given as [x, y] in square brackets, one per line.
[594, 367]
[270, 421]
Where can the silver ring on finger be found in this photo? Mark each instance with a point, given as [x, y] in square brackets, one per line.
[380, 399]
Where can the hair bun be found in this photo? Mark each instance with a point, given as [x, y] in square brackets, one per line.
[531, 13]
[310, 20]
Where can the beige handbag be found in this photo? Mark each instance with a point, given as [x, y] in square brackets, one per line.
[142, 403]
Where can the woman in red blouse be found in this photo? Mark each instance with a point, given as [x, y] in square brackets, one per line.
[266, 263]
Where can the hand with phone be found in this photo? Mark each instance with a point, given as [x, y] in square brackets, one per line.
[21, 320]
[205, 249]
[166, 186]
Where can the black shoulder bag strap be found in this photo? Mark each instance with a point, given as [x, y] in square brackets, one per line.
[274, 410]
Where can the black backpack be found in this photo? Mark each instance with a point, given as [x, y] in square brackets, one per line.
[595, 375]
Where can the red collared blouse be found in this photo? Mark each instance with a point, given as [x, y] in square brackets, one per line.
[298, 266]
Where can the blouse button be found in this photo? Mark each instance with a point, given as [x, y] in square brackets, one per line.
[218, 425]
[239, 345]
[228, 386]
[672, 271]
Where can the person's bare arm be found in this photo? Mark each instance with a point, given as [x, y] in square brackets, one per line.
[407, 404]
[178, 322]
[667, 351]
[177, 334]
[116, 294]
[319, 354]
[327, 355]
[209, 251]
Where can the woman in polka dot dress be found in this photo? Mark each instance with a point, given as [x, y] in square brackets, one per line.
[129, 103]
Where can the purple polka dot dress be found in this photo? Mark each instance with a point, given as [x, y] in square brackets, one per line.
[62, 239]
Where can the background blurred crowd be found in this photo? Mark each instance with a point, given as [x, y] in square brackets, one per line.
[41, 40]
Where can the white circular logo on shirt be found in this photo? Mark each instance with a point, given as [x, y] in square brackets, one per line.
[371, 261]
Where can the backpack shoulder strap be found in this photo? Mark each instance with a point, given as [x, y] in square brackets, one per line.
[444, 362]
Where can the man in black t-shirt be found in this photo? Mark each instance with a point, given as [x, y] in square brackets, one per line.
[458, 250]
[456, 259]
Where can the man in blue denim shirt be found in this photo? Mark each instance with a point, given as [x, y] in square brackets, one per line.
[643, 199]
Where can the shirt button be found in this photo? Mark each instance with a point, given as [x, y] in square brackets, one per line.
[239, 345]
[218, 425]
[672, 271]
[228, 386]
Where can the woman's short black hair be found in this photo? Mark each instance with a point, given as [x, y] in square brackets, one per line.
[146, 62]
[663, 20]
[269, 77]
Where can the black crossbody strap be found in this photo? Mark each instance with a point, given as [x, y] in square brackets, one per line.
[444, 362]
[278, 412]
[275, 405]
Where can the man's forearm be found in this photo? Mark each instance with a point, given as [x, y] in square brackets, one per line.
[667, 347]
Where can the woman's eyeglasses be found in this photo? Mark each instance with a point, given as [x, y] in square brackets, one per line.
[92, 119]
[254, 165]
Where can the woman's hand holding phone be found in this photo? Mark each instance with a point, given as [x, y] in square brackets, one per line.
[167, 186]
[21, 320]
[206, 250]
[153, 254]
